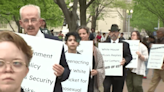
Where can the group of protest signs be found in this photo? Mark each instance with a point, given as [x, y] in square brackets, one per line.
[45, 56]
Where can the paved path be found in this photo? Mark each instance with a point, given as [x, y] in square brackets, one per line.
[146, 82]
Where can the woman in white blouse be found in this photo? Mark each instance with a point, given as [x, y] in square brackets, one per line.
[135, 75]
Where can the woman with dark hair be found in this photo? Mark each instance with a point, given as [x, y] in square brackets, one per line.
[98, 72]
[135, 75]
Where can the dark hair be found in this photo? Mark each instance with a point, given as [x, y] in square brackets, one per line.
[45, 26]
[83, 27]
[122, 33]
[138, 35]
[75, 34]
[151, 37]
[93, 28]
[104, 33]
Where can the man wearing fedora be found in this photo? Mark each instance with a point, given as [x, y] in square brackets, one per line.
[117, 82]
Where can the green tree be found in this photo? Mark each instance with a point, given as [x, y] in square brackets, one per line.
[97, 9]
[153, 6]
[9, 9]
[143, 18]
[70, 13]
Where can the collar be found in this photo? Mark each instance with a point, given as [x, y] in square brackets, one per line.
[116, 41]
[40, 34]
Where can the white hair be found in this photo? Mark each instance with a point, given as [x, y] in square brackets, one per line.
[30, 5]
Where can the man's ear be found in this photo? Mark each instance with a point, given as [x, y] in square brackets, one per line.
[20, 23]
[40, 21]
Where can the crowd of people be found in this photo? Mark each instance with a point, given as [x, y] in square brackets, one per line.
[15, 56]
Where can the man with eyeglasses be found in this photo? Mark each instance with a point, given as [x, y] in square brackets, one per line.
[31, 22]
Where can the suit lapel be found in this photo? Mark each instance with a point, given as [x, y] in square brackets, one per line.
[109, 40]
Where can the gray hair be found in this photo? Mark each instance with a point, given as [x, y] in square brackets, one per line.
[29, 5]
[161, 29]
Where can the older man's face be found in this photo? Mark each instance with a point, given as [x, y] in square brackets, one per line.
[160, 34]
[114, 35]
[30, 20]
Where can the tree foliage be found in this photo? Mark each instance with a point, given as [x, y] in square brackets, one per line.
[142, 18]
[9, 10]
[153, 6]
[70, 13]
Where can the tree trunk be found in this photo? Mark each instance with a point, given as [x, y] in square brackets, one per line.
[18, 25]
[83, 9]
[163, 22]
[94, 16]
[9, 23]
[70, 16]
[72, 25]
[93, 22]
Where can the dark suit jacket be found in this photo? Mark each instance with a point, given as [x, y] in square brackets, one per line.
[126, 54]
[65, 75]
[22, 90]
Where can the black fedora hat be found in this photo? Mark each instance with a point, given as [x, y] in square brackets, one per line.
[114, 27]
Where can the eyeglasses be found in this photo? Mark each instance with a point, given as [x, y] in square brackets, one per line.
[15, 64]
[33, 20]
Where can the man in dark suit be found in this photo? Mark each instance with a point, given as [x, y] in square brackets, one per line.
[117, 82]
[31, 22]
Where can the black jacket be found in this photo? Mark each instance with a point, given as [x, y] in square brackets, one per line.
[65, 75]
[22, 90]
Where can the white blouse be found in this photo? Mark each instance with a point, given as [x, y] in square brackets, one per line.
[140, 70]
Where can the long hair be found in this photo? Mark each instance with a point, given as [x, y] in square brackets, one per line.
[138, 35]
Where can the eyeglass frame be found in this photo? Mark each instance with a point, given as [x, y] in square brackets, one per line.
[11, 64]
[30, 20]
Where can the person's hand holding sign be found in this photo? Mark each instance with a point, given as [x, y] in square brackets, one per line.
[94, 72]
[58, 70]
[140, 56]
[123, 61]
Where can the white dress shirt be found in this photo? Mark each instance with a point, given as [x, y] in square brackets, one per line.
[40, 34]
[116, 41]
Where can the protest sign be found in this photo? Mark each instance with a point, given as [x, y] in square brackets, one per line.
[84, 48]
[46, 53]
[78, 78]
[112, 56]
[156, 56]
[134, 47]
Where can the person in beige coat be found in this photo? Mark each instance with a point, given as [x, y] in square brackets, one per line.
[98, 71]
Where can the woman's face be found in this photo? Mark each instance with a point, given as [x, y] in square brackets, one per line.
[134, 36]
[12, 67]
[83, 34]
